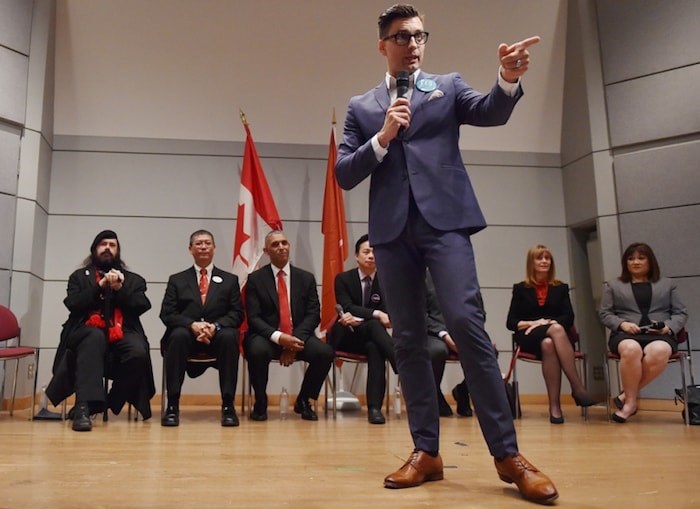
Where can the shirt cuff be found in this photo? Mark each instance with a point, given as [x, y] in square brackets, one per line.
[379, 151]
[510, 89]
[275, 338]
[442, 334]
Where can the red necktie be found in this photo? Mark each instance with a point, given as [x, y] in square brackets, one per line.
[283, 299]
[203, 284]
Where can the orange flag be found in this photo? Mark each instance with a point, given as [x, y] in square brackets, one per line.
[335, 236]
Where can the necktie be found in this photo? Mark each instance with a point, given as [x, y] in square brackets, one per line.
[283, 299]
[203, 284]
[366, 289]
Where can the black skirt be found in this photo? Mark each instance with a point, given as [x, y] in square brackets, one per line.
[643, 339]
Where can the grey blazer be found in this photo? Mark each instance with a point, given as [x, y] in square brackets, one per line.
[618, 305]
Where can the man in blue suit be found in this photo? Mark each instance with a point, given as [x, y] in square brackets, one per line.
[422, 212]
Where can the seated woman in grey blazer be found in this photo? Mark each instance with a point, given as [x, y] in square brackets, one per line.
[540, 316]
[643, 312]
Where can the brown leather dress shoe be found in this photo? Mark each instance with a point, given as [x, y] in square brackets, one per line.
[419, 468]
[533, 484]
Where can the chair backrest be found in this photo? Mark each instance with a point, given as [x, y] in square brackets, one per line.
[9, 328]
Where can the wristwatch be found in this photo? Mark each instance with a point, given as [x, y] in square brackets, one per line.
[217, 326]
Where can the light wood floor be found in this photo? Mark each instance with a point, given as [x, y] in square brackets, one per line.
[652, 461]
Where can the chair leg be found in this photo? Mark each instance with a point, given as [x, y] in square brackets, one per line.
[105, 414]
[516, 392]
[606, 374]
[584, 379]
[14, 387]
[244, 377]
[387, 376]
[685, 390]
[163, 394]
[36, 380]
[335, 390]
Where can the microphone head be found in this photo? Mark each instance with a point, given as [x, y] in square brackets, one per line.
[339, 309]
[402, 83]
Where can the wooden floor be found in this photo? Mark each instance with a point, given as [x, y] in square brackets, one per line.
[652, 461]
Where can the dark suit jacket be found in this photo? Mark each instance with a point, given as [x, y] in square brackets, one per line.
[263, 309]
[426, 160]
[83, 298]
[523, 306]
[619, 305]
[348, 293]
[182, 303]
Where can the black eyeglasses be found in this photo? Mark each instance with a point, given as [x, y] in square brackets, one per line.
[403, 38]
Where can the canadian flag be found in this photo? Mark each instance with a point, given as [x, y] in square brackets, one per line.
[335, 236]
[257, 213]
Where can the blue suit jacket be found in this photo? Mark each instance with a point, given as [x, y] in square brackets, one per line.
[426, 159]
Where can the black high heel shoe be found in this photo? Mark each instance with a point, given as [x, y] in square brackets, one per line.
[619, 419]
[556, 420]
[584, 401]
[618, 402]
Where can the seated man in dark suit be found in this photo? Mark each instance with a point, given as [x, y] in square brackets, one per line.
[363, 326]
[283, 311]
[103, 331]
[440, 343]
[202, 312]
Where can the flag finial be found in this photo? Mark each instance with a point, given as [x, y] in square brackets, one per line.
[244, 120]
[333, 121]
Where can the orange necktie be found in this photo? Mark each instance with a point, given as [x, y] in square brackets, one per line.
[203, 284]
[283, 300]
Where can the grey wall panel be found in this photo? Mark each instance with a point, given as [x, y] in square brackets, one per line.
[4, 287]
[15, 24]
[30, 238]
[7, 227]
[507, 194]
[9, 158]
[580, 190]
[156, 248]
[501, 250]
[661, 177]
[13, 83]
[640, 38]
[654, 107]
[672, 234]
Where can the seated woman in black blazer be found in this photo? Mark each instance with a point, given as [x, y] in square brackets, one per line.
[540, 315]
[643, 312]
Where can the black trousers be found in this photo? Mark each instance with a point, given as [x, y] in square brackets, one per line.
[182, 344]
[260, 351]
[128, 359]
[369, 338]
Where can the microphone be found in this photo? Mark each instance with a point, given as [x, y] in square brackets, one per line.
[402, 83]
[340, 311]
[401, 91]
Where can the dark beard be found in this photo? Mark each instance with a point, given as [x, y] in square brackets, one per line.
[105, 264]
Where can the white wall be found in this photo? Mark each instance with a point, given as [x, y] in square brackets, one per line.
[182, 69]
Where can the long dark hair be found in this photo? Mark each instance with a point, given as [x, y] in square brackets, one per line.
[643, 249]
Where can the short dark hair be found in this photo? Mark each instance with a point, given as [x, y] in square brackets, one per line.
[645, 250]
[396, 11]
[360, 241]
[202, 232]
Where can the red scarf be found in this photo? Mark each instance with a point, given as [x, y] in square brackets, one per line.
[116, 332]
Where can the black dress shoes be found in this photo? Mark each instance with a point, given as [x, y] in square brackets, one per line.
[375, 416]
[81, 418]
[461, 396]
[259, 412]
[302, 406]
[443, 406]
[171, 417]
[229, 417]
